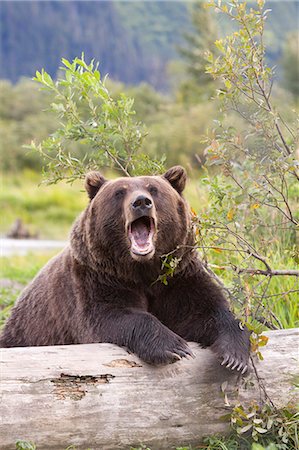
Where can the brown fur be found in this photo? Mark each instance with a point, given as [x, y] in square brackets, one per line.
[95, 291]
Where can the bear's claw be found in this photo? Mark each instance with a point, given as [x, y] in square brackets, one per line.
[233, 350]
[182, 352]
[234, 364]
[167, 350]
[174, 356]
[225, 360]
[188, 352]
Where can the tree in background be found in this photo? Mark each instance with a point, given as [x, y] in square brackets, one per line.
[200, 84]
[290, 62]
[21, 120]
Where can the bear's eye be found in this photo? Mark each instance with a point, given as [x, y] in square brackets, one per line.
[153, 190]
[120, 193]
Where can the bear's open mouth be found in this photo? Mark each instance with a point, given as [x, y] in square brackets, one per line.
[141, 232]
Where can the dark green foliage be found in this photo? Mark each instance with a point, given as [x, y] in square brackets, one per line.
[21, 120]
[197, 42]
[156, 29]
[132, 41]
[45, 36]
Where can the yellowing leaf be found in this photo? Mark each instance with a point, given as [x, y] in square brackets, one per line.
[255, 206]
[193, 212]
[217, 250]
[231, 214]
[263, 340]
[261, 3]
[214, 144]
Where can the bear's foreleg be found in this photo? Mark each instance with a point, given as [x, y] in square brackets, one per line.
[142, 333]
[219, 330]
[232, 344]
[194, 307]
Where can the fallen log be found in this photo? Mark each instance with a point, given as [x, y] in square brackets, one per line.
[98, 396]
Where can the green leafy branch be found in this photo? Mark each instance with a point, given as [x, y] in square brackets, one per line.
[90, 117]
[262, 423]
[168, 266]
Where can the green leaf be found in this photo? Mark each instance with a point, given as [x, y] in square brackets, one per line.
[256, 446]
[261, 430]
[246, 428]
[219, 45]
[47, 78]
[67, 63]
[24, 445]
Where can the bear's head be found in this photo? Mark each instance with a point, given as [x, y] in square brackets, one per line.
[135, 220]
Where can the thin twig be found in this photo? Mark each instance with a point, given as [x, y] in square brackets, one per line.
[266, 322]
[122, 168]
[280, 293]
[253, 271]
[261, 383]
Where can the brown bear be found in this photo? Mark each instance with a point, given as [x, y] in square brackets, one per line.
[103, 286]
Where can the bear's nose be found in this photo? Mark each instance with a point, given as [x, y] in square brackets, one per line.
[142, 202]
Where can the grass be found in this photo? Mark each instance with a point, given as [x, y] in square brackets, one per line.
[15, 273]
[46, 210]
[280, 298]
[211, 443]
[22, 268]
[8, 297]
[51, 210]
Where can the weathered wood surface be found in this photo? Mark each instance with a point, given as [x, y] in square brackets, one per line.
[98, 396]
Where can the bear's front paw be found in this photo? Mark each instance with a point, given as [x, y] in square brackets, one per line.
[233, 351]
[166, 349]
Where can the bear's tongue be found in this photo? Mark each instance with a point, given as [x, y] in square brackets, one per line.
[141, 233]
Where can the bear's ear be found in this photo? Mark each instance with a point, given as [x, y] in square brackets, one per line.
[177, 178]
[93, 182]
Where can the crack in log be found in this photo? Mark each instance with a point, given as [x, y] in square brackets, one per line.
[122, 363]
[75, 386]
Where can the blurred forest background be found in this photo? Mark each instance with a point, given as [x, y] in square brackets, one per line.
[149, 51]
[134, 41]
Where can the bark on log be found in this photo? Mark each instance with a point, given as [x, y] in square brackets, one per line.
[98, 396]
